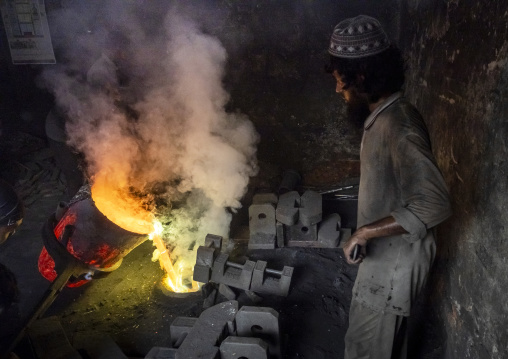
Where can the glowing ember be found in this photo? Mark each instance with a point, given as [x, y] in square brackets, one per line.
[130, 213]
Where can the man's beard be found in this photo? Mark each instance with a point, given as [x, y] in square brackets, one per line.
[357, 109]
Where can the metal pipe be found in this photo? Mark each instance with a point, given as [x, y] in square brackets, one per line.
[240, 266]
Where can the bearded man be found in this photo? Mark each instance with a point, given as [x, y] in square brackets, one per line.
[402, 195]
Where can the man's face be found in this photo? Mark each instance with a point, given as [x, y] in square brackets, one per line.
[357, 103]
[7, 231]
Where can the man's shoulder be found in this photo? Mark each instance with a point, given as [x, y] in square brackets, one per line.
[402, 107]
[403, 115]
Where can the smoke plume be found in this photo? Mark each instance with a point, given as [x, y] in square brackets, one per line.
[141, 86]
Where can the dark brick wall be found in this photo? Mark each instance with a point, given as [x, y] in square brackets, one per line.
[458, 77]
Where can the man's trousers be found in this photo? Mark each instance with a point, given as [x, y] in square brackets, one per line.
[375, 335]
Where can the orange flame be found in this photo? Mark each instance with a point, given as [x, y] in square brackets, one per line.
[126, 211]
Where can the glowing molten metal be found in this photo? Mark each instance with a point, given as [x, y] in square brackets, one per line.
[125, 210]
[121, 207]
[174, 278]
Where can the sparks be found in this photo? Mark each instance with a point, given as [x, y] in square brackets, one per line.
[174, 279]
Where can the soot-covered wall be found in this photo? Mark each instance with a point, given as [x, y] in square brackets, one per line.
[277, 77]
[274, 73]
[458, 78]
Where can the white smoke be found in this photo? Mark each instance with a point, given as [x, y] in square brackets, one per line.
[168, 124]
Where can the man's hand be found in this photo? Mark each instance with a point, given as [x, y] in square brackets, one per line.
[358, 238]
[382, 228]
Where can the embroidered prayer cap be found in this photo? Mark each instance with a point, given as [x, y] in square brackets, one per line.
[358, 37]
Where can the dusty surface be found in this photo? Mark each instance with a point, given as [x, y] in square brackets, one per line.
[128, 304]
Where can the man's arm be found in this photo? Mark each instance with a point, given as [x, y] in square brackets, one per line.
[382, 228]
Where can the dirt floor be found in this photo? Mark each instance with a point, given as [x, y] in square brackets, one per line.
[127, 312]
[130, 308]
